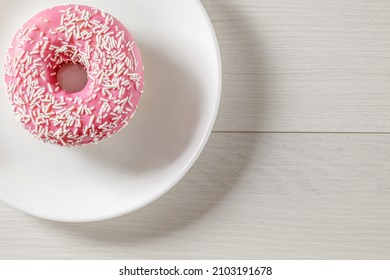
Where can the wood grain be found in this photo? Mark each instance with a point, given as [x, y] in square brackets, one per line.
[249, 196]
[304, 65]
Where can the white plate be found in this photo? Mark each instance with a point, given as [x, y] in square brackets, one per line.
[145, 160]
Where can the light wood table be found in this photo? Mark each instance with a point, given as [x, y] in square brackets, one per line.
[298, 165]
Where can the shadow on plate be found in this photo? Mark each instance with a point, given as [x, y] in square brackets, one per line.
[165, 122]
[213, 176]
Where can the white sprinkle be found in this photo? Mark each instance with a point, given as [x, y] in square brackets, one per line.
[42, 75]
[91, 119]
[71, 29]
[50, 88]
[24, 32]
[60, 111]
[61, 28]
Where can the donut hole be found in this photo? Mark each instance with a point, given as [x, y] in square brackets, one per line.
[72, 77]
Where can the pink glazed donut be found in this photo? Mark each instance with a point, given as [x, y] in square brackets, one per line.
[80, 35]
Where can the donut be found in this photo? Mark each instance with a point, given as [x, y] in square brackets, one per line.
[84, 36]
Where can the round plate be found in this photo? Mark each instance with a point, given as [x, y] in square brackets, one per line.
[147, 158]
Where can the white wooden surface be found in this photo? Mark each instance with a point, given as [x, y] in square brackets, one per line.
[298, 165]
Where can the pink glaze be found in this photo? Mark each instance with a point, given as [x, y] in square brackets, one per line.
[74, 34]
